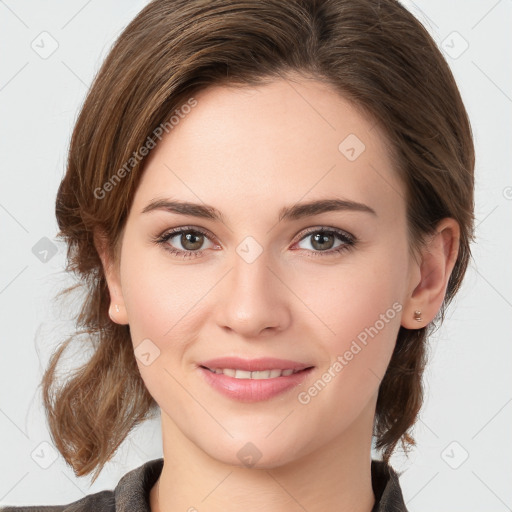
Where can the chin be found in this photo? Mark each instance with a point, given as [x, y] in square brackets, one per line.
[257, 454]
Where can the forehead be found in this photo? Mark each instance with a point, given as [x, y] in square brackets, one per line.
[281, 142]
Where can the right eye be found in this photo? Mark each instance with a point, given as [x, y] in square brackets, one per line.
[190, 239]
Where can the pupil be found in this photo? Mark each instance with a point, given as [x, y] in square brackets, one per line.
[188, 239]
[321, 238]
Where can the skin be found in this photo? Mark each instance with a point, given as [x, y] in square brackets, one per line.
[249, 152]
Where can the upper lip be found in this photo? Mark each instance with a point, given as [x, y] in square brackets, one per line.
[254, 365]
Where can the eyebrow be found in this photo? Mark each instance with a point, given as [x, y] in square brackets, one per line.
[294, 212]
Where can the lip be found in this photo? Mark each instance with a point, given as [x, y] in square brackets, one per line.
[253, 390]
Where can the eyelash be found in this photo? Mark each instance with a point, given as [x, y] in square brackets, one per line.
[348, 240]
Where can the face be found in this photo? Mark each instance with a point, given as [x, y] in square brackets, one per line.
[323, 288]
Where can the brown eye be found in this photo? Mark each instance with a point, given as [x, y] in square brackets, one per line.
[185, 242]
[191, 241]
[323, 241]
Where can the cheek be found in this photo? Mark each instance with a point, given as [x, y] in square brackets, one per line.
[358, 313]
[158, 293]
[162, 300]
[350, 297]
[167, 303]
[362, 309]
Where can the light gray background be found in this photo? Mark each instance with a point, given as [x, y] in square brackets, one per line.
[468, 406]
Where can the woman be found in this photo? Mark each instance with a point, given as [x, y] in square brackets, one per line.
[221, 146]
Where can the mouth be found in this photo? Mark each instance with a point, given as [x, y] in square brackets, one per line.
[238, 373]
[254, 380]
[261, 368]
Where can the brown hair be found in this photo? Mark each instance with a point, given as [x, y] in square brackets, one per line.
[376, 54]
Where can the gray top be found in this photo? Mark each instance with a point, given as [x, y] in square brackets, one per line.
[132, 493]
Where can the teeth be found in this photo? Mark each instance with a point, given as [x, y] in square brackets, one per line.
[261, 374]
[264, 374]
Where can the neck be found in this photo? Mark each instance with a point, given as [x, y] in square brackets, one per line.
[336, 476]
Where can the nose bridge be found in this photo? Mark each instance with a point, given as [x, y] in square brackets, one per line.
[252, 299]
[251, 270]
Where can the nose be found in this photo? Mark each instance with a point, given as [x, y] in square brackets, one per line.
[253, 298]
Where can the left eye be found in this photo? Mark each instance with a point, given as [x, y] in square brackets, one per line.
[323, 240]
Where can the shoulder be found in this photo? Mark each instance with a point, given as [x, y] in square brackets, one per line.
[386, 487]
[103, 501]
[131, 493]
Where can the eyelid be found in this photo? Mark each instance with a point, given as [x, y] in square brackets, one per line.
[303, 234]
[348, 242]
[170, 233]
[327, 229]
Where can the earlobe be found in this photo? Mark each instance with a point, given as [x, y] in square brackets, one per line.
[437, 259]
[117, 313]
[117, 310]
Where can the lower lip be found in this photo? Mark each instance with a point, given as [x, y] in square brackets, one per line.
[253, 390]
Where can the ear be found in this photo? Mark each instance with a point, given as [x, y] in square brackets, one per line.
[117, 309]
[428, 285]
